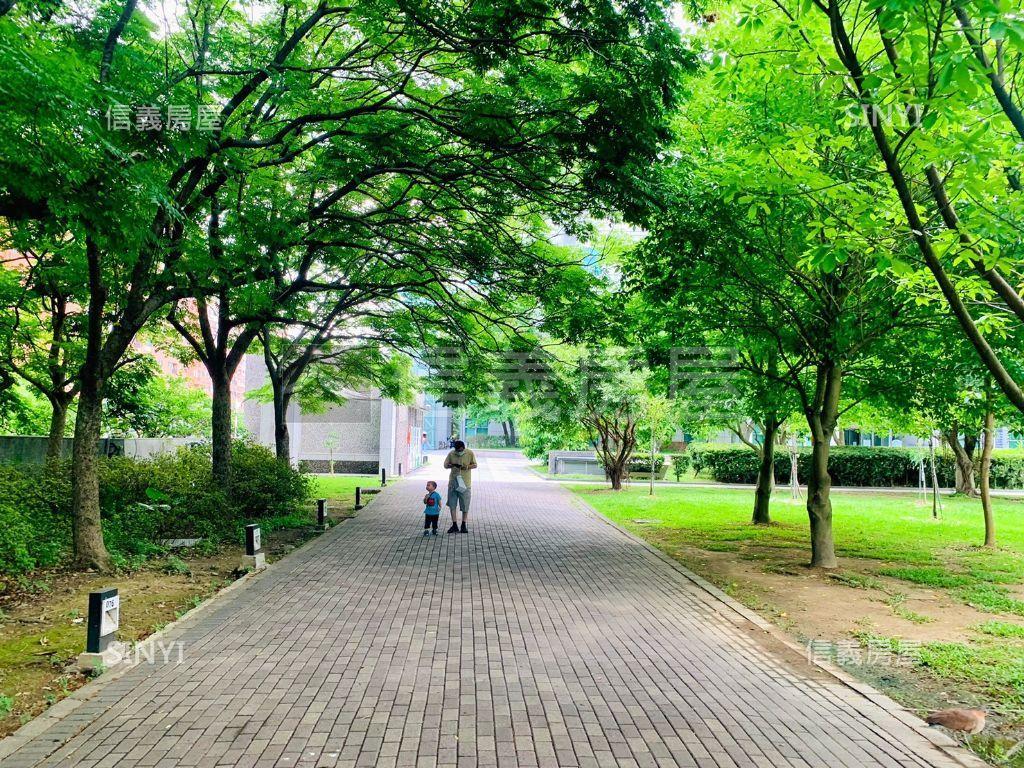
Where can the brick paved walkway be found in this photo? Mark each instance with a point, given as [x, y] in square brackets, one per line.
[544, 638]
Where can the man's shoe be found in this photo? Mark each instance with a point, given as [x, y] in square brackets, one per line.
[454, 528]
[463, 529]
[426, 533]
[434, 532]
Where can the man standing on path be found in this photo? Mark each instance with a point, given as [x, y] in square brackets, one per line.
[461, 461]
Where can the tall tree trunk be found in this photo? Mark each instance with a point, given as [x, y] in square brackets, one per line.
[282, 439]
[221, 429]
[970, 445]
[765, 474]
[87, 526]
[90, 551]
[512, 433]
[282, 392]
[963, 455]
[935, 476]
[55, 439]
[822, 417]
[819, 506]
[653, 450]
[504, 432]
[986, 475]
[794, 470]
[615, 475]
[616, 448]
[220, 353]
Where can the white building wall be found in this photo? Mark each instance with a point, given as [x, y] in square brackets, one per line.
[361, 435]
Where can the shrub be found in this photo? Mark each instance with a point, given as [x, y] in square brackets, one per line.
[183, 481]
[175, 566]
[263, 486]
[639, 464]
[143, 501]
[536, 440]
[131, 524]
[850, 466]
[726, 464]
[35, 523]
[486, 441]
[642, 464]
[1007, 469]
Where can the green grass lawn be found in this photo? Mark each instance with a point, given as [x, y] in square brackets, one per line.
[877, 535]
[341, 489]
[892, 527]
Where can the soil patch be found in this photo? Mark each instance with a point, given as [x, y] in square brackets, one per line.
[824, 610]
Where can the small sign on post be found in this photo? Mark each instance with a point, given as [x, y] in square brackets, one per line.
[101, 647]
[254, 557]
[321, 513]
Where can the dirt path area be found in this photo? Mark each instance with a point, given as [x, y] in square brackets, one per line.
[834, 613]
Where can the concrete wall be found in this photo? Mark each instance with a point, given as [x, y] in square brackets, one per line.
[349, 433]
[19, 449]
[144, 447]
[578, 466]
[574, 463]
[361, 435]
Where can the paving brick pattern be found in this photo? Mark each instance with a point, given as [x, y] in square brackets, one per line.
[545, 637]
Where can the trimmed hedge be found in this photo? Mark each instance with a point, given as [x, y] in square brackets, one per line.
[850, 466]
[142, 501]
[643, 464]
[487, 441]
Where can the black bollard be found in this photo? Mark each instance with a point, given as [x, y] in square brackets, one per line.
[102, 650]
[254, 558]
[383, 477]
[253, 540]
[321, 513]
[359, 498]
[104, 618]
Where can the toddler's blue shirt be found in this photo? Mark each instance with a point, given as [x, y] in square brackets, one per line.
[436, 509]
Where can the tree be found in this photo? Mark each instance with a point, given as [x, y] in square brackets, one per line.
[742, 255]
[544, 109]
[831, 320]
[723, 376]
[604, 390]
[160, 406]
[942, 384]
[42, 328]
[934, 385]
[988, 443]
[660, 424]
[365, 335]
[502, 410]
[935, 86]
[320, 370]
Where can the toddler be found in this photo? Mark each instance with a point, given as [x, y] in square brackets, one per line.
[431, 509]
